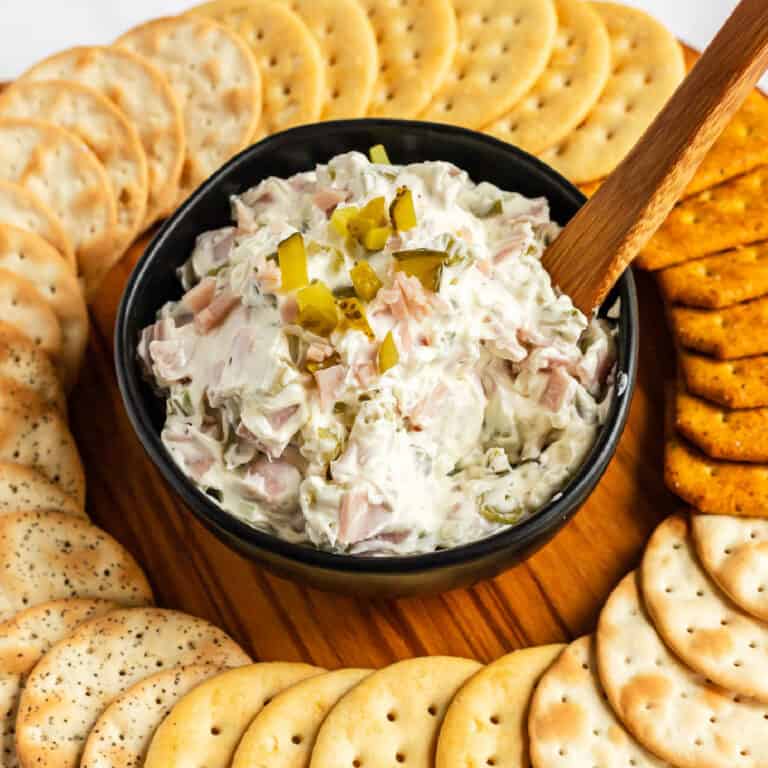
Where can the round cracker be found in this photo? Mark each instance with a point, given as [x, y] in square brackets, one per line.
[36, 435]
[487, 721]
[647, 66]
[20, 208]
[288, 55]
[31, 258]
[24, 489]
[347, 46]
[23, 364]
[205, 727]
[416, 47]
[48, 556]
[122, 734]
[734, 552]
[671, 710]
[216, 81]
[23, 642]
[76, 680]
[571, 723]
[696, 620]
[60, 169]
[107, 132]
[25, 310]
[283, 734]
[393, 716]
[143, 94]
[569, 87]
[503, 48]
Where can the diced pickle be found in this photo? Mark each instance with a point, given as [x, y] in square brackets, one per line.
[317, 309]
[375, 239]
[365, 280]
[388, 354]
[376, 210]
[378, 154]
[341, 217]
[505, 517]
[401, 211]
[422, 263]
[353, 317]
[292, 257]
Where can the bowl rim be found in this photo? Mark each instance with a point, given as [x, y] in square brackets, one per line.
[548, 518]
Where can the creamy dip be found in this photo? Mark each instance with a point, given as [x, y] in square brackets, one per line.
[398, 377]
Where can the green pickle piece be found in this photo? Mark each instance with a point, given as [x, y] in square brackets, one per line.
[317, 309]
[422, 263]
[389, 357]
[365, 280]
[402, 211]
[494, 515]
[378, 154]
[292, 258]
[353, 316]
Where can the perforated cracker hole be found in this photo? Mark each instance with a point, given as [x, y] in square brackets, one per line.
[215, 730]
[357, 762]
[296, 739]
[432, 710]
[400, 757]
[494, 719]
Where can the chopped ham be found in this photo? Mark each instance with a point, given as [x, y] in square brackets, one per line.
[278, 419]
[358, 518]
[428, 406]
[170, 358]
[269, 277]
[558, 391]
[275, 482]
[485, 267]
[329, 381]
[289, 310]
[319, 351]
[216, 312]
[514, 245]
[327, 200]
[198, 298]
[191, 448]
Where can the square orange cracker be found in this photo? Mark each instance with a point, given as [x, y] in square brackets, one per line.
[742, 147]
[733, 332]
[732, 214]
[735, 383]
[718, 281]
[719, 431]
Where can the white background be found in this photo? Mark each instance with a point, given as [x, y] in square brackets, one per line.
[31, 29]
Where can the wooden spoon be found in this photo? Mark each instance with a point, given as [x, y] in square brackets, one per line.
[600, 242]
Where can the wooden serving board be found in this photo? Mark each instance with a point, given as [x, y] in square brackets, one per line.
[552, 597]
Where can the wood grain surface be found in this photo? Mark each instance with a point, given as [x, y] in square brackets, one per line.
[554, 596]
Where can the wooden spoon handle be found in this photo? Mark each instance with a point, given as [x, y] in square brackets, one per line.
[610, 230]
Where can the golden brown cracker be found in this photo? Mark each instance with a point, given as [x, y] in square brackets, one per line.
[718, 281]
[568, 88]
[503, 49]
[733, 332]
[647, 68]
[142, 93]
[732, 214]
[733, 383]
[216, 80]
[104, 128]
[417, 44]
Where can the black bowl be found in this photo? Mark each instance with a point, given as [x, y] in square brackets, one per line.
[154, 282]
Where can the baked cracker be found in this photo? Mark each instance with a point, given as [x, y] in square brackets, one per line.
[732, 332]
[121, 736]
[20, 208]
[206, 725]
[488, 718]
[76, 680]
[697, 621]
[283, 734]
[31, 258]
[107, 132]
[23, 642]
[416, 47]
[216, 80]
[734, 552]
[715, 282]
[733, 383]
[503, 48]
[672, 711]
[727, 216]
[571, 724]
[393, 716]
[24, 489]
[51, 556]
[647, 67]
